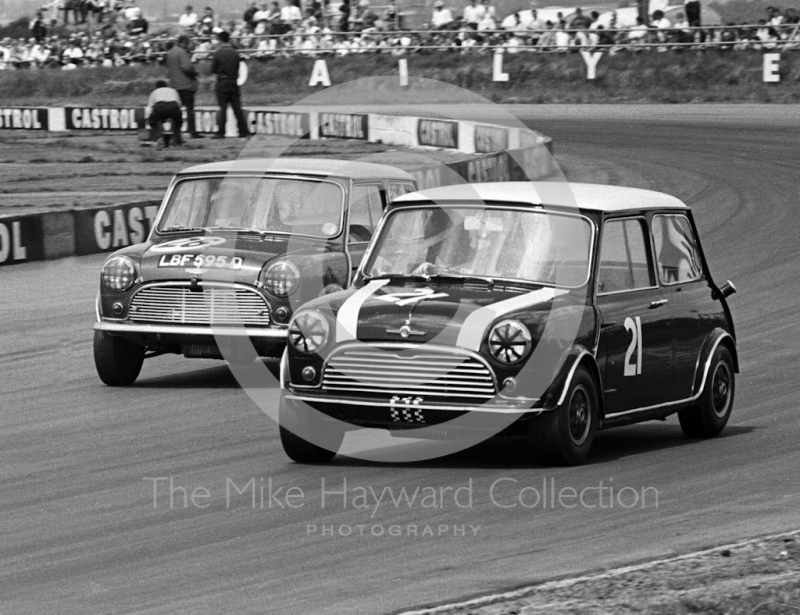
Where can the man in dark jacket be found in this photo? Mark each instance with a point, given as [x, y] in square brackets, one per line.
[249, 14]
[183, 77]
[225, 65]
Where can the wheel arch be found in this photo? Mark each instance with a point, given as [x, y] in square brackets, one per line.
[574, 358]
[718, 337]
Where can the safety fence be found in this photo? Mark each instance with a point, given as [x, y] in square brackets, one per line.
[262, 47]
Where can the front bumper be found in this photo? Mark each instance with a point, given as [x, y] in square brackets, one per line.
[489, 407]
[407, 416]
[188, 330]
[199, 341]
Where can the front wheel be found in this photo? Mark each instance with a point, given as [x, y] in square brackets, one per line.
[118, 361]
[709, 416]
[564, 436]
[307, 437]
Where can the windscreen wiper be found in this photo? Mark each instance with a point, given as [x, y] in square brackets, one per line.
[236, 229]
[182, 229]
[439, 277]
[422, 277]
[460, 277]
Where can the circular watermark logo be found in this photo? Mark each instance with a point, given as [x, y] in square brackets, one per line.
[421, 332]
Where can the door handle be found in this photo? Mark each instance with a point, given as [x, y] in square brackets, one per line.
[658, 303]
[607, 324]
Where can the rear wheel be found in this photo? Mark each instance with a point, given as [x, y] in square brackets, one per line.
[118, 361]
[307, 437]
[709, 416]
[565, 435]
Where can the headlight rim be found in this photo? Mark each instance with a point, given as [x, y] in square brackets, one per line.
[294, 330]
[133, 273]
[527, 339]
[295, 271]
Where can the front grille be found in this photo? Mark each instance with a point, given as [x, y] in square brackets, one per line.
[215, 305]
[425, 373]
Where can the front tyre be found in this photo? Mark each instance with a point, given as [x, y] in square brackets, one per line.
[298, 422]
[117, 360]
[564, 436]
[709, 416]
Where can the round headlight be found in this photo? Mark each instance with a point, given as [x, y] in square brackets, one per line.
[308, 331]
[509, 342]
[282, 278]
[118, 273]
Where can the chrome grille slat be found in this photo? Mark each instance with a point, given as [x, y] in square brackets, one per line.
[409, 391]
[420, 365]
[216, 305]
[390, 387]
[356, 356]
[409, 376]
[407, 372]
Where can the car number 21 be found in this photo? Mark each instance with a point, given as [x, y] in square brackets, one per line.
[635, 328]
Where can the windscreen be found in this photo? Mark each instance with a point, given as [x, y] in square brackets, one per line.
[268, 204]
[503, 243]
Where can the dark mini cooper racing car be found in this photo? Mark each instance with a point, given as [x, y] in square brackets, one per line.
[544, 309]
[234, 248]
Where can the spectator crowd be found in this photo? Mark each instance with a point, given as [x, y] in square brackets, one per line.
[71, 33]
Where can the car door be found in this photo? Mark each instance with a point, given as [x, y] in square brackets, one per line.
[684, 286]
[635, 349]
[366, 207]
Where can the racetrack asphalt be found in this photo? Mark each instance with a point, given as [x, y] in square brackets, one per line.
[81, 534]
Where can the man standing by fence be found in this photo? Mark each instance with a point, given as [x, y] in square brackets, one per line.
[183, 77]
[225, 65]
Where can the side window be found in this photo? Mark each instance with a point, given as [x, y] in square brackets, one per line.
[624, 257]
[366, 207]
[676, 250]
[397, 189]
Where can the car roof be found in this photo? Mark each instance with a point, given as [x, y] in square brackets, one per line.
[597, 197]
[321, 167]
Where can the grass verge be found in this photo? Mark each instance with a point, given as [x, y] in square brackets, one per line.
[758, 577]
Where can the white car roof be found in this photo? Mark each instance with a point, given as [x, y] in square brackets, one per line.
[303, 166]
[597, 197]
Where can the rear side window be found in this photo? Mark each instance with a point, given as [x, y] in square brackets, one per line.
[676, 249]
[397, 189]
[365, 212]
[624, 257]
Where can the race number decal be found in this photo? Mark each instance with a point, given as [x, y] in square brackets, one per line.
[189, 243]
[635, 327]
[406, 409]
[414, 296]
[208, 261]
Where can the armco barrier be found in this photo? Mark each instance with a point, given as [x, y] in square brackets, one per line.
[503, 154]
[105, 229]
[468, 137]
[21, 239]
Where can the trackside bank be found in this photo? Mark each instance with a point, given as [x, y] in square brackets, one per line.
[500, 154]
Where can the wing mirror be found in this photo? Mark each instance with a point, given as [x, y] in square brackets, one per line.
[726, 290]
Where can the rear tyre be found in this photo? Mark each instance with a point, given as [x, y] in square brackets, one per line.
[118, 361]
[709, 416]
[298, 422]
[564, 436]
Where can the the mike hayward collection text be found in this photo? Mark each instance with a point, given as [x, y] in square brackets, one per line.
[504, 492]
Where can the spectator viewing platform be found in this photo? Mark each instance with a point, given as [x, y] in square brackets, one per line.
[68, 34]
